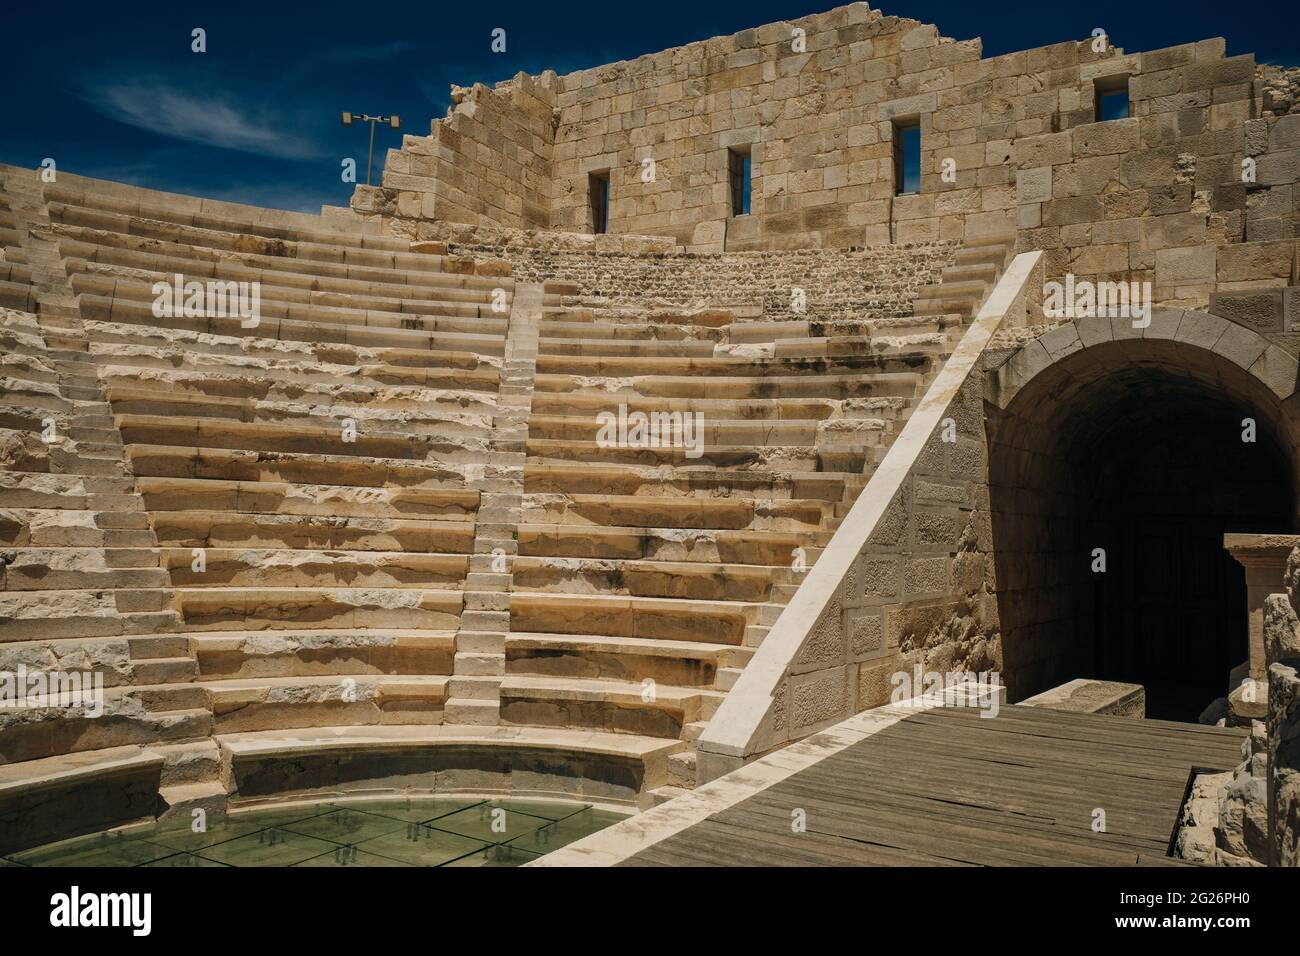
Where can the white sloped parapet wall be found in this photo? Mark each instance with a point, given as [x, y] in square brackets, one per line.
[906, 579]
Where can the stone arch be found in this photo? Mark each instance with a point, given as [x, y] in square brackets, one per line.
[1270, 365]
[1131, 441]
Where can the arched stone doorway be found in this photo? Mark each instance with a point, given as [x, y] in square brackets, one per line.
[1131, 447]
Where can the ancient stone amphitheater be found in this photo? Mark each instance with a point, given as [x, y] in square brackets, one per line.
[372, 542]
[472, 568]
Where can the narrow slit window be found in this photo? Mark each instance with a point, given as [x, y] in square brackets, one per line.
[740, 173]
[598, 190]
[1111, 99]
[907, 157]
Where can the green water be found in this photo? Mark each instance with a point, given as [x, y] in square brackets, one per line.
[427, 831]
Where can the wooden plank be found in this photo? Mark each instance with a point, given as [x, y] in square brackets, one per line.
[1140, 832]
[947, 787]
[1156, 749]
[760, 842]
[950, 837]
[1144, 734]
[964, 776]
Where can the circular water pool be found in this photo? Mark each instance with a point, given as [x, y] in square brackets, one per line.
[419, 831]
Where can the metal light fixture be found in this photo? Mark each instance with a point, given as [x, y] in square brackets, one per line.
[393, 121]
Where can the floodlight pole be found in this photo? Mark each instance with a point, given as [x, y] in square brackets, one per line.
[370, 154]
[393, 121]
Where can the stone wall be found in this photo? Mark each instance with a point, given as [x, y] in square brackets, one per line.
[1045, 490]
[488, 162]
[1008, 143]
[817, 285]
[838, 285]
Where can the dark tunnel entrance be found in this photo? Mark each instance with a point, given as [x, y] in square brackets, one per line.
[1132, 456]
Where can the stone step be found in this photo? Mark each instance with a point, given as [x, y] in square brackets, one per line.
[307, 651]
[232, 608]
[715, 622]
[581, 477]
[661, 795]
[235, 567]
[693, 731]
[187, 764]
[693, 512]
[593, 765]
[480, 642]
[474, 687]
[616, 657]
[681, 770]
[744, 545]
[963, 305]
[165, 670]
[487, 601]
[55, 732]
[986, 272]
[53, 569]
[681, 579]
[485, 620]
[255, 704]
[955, 289]
[480, 665]
[316, 265]
[488, 581]
[646, 708]
[727, 677]
[181, 802]
[57, 615]
[472, 712]
[159, 647]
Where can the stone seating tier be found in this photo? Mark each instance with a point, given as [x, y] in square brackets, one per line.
[471, 568]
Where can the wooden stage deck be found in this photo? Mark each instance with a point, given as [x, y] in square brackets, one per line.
[945, 787]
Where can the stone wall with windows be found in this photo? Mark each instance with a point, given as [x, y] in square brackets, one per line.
[1207, 156]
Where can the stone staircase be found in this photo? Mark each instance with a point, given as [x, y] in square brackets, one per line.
[475, 691]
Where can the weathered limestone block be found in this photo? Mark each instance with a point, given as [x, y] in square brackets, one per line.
[1101, 139]
[1200, 816]
[1284, 752]
[1281, 629]
[1242, 830]
[1093, 697]
[1046, 150]
[1185, 266]
[1034, 185]
[23, 451]
[1225, 821]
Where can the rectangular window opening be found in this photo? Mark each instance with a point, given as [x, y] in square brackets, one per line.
[598, 191]
[907, 156]
[740, 174]
[1110, 98]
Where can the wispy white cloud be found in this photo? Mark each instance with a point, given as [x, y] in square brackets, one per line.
[209, 119]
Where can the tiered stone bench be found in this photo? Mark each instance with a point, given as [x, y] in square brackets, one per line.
[645, 579]
[330, 587]
[467, 592]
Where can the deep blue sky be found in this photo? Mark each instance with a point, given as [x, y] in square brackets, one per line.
[112, 89]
